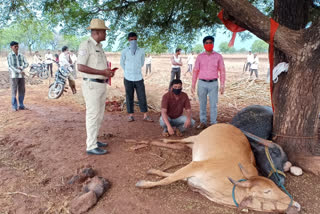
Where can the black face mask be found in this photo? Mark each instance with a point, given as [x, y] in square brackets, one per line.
[176, 91]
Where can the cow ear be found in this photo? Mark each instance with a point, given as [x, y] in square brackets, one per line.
[244, 171]
[244, 184]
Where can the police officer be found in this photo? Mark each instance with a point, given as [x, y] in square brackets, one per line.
[92, 63]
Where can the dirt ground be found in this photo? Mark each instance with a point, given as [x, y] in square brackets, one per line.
[42, 148]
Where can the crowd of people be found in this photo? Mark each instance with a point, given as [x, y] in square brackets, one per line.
[96, 72]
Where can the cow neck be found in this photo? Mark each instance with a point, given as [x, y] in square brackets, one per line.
[240, 194]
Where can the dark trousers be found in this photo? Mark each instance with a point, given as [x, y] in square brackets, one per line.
[130, 86]
[49, 67]
[255, 72]
[17, 84]
[248, 65]
[148, 67]
[175, 72]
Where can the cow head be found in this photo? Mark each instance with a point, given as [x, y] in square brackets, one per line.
[277, 156]
[260, 193]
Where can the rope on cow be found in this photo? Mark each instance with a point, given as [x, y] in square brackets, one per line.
[277, 172]
[274, 170]
[233, 195]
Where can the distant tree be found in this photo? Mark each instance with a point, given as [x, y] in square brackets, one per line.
[242, 50]
[71, 41]
[198, 48]
[224, 48]
[259, 46]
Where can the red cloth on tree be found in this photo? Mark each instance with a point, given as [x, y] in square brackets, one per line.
[231, 26]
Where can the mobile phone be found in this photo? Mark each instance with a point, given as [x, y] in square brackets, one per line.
[114, 69]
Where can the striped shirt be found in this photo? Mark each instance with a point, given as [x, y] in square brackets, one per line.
[14, 63]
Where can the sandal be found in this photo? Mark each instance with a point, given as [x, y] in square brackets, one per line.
[148, 119]
[130, 119]
[165, 134]
[179, 133]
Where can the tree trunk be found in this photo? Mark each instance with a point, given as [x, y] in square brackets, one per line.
[296, 96]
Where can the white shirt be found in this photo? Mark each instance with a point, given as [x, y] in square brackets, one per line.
[255, 63]
[36, 59]
[48, 58]
[190, 59]
[148, 60]
[178, 60]
[250, 58]
[64, 59]
[73, 58]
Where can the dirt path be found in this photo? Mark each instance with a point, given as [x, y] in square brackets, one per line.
[42, 148]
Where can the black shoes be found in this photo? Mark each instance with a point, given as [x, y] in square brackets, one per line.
[100, 144]
[97, 151]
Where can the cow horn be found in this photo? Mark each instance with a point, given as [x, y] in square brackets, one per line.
[244, 184]
[244, 171]
[260, 140]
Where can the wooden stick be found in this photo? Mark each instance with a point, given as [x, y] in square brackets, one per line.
[22, 193]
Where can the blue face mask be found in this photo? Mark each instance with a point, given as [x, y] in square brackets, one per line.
[133, 46]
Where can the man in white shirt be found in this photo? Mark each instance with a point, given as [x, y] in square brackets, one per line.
[249, 61]
[190, 63]
[148, 64]
[73, 58]
[48, 60]
[254, 66]
[64, 57]
[37, 58]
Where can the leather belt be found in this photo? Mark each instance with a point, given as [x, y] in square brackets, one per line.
[208, 80]
[96, 80]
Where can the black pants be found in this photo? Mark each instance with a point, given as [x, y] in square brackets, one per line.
[255, 71]
[248, 65]
[175, 72]
[130, 86]
[148, 67]
[49, 67]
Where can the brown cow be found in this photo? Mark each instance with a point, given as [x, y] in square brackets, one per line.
[217, 153]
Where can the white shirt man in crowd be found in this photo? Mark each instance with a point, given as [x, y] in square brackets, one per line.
[49, 60]
[249, 61]
[254, 66]
[73, 58]
[190, 63]
[148, 64]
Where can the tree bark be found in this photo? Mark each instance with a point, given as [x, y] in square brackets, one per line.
[296, 95]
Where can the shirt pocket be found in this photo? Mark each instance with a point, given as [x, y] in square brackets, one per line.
[101, 58]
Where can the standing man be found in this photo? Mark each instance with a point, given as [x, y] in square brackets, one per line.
[190, 63]
[73, 58]
[254, 66]
[176, 64]
[249, 61]
[208, 68]
[17, 63]
[65, 62]
[132, 60]
[92, 62]
[49, 59]
[37, 58]
[148, 64]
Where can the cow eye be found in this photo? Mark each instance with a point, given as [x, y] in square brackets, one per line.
[267, 191]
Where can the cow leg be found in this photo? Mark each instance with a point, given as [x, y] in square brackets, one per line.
[158, 172]
[185, 172]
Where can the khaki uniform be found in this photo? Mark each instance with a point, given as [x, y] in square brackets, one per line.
[92, 55]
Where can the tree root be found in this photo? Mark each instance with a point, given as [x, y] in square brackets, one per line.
[308, 163]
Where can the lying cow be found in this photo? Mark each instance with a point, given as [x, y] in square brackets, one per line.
[217, 153]
[257, 120]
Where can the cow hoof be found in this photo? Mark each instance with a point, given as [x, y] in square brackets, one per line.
[151, 171]
[140, 184]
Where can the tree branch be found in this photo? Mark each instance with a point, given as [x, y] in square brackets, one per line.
[250, 18]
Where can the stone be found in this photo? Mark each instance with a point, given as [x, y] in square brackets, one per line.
[98, 185]
[83, 203]
[296, 170]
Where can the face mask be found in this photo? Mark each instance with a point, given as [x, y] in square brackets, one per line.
[133, 46]
[208, 47]
[176, 91]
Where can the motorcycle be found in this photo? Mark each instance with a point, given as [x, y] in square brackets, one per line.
[39, 70]
[58, 86]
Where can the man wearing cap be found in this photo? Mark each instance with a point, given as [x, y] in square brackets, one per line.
[92, 62]
[208, 68]
[17, 63]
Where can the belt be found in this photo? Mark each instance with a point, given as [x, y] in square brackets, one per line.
[208, 80]
[96, 80]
